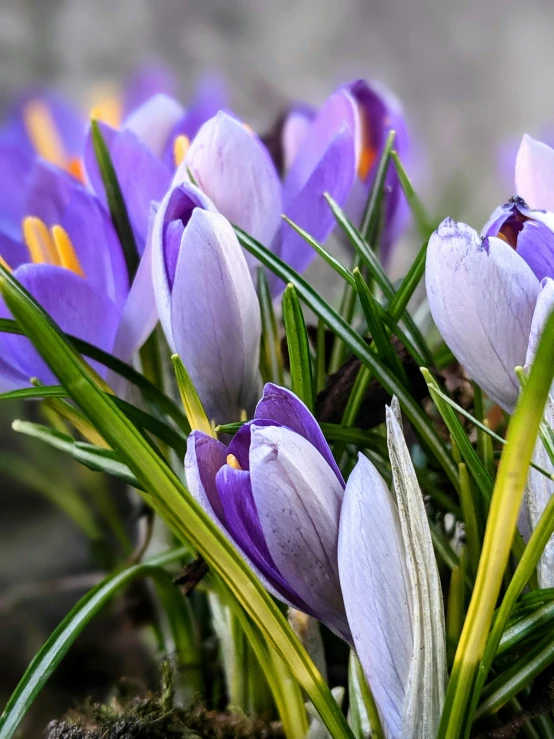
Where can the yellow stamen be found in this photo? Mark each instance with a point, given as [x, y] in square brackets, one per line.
[181, 145]
[39, 241]
[106, 105]
[66, 251]
[367, 158]
[233, 462]
[41, 129]
[75, 167]
[248, 128]
[5, 264]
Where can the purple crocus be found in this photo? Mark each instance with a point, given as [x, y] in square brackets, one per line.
[69, 257]
[374, 112]
[277, 492]
[206, 302]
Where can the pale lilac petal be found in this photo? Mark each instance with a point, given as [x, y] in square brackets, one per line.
[535, 174]
[543, 309]
[535, 244]
[298, 499]
[375, 588]
[285, 408]
[204, 458]
[482, 296]
[295, 130]
[147, 81]
[233, 168]
[153, 122]
[177, 206]
[73, 303]
[215, 317]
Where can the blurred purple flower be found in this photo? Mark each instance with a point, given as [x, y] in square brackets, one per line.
[206, 302]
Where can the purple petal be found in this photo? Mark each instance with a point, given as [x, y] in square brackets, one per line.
[153, 122]
[543, 309]
[142, 177]
[243, 524]
[233, 168]
[482, 297]
[535, 244]
[295, 130]
[16, 165]
[338, 112]
[375, 587]
[74, 304]
[335, 173]
[204, 458]
[145, 82]
[13, 251]
[285, 408]
[215, 317]
[178, 205]
[298, 500]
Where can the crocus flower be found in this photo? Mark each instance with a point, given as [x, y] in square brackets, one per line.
[232, 166]
[277, 492]
[206, 301]
[69, 258]
[375, 111]
[483, 292]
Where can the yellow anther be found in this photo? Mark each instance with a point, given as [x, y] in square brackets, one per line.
[248, 128]
[106, 105]
[66, 251]
[181, 145]
[39, 241]
[367, 158]
[5, 264]
[233, 462]
[42, 131]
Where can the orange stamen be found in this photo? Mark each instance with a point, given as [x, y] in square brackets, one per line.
[181, 145]
[66, 251]
[233, 462]
[75, 167]
[39, 241]
[42, 131]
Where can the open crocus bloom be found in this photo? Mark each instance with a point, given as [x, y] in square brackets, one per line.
[374, 112]
[206, 302]
[69, 258]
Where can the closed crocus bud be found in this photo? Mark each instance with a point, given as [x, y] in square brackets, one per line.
[483, 292]
[206, 301]
[277, 492]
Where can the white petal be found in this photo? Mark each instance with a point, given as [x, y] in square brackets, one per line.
[482, 296]
[543, 309]
[375, 588]
[535, 174]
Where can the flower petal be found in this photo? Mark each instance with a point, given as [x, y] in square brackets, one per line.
[284, 407]
[535, 174]
[16, 165]
[298, 499]
[374, 582]
[295, 129]
[535, 244]
[215, 317]
[73, 303]
[482, 297]
[334, 174]
[146, 81]
[543, 309]
[233, 168]
[153, 122]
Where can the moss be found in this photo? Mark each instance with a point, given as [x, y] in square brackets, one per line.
[155, 717]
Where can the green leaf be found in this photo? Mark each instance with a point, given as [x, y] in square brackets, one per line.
[299, 347]
[271, 357]
[470, 508]
[334, 263]
[359, 348]
[414, 202]
[58, 643]
[364, 716]
[93, 457]
[526, 628]
[169, 497]
[400, 301]
[320, 358]
[373, 207]
[150, 392]
[193, 405]
[463, 690]
[116, 203]
[139, 417]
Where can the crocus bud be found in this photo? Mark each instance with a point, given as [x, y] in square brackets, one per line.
[207, 302]
[277, 492]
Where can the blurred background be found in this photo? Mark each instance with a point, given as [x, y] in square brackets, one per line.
[472, 76]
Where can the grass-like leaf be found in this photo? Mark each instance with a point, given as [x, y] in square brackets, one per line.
[298, 346]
